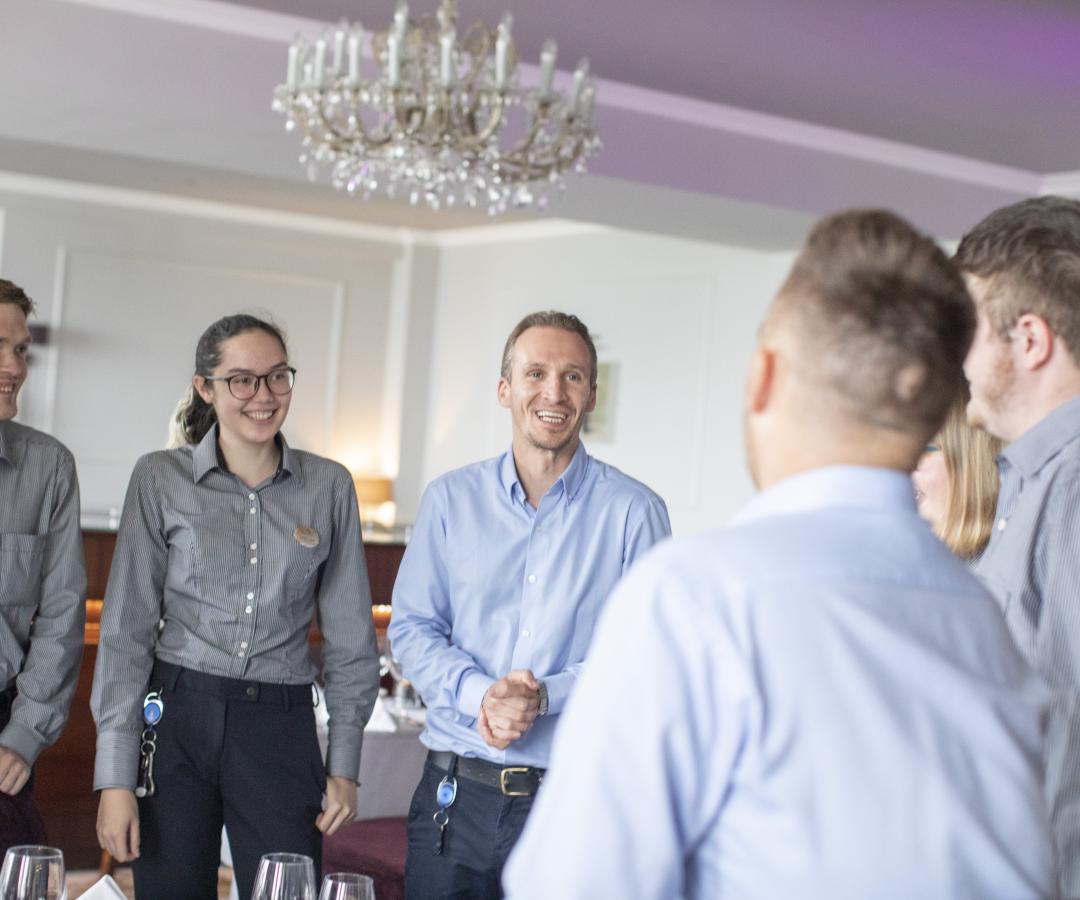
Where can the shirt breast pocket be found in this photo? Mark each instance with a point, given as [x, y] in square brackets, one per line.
[22, 558]
[302, 567]
[218, 562]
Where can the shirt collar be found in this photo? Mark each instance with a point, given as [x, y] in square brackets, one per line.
[205, 456]
[834, 487]
[569, 482]
[1044, 440]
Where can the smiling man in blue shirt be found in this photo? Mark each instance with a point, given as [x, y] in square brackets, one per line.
[819, 701]
[509, 565]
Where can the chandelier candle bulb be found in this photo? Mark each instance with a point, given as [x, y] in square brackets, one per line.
[354, 58]
[320, 60]
[393, 60]
[339, 49]
[547, 66]
[580, 75]
[446, 58]
[401, 20]
[292, 79]
[502, 44]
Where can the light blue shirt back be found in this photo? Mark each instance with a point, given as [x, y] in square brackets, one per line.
[488, 584]
[817, 702]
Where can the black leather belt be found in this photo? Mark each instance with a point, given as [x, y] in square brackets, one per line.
[513, 781]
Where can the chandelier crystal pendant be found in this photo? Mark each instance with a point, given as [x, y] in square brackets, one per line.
[419, 112]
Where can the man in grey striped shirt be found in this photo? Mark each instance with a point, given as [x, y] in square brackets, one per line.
[42, 584]
[1022, 264]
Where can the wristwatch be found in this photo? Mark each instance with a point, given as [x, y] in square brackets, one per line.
[543, 700]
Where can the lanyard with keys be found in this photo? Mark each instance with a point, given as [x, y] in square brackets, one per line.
[153, 709]
[445, 795]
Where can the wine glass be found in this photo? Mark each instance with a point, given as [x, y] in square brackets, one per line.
[344, 886]
[285, 876]
[33, 873]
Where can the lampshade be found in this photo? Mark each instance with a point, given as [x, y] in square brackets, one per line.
[371, 490]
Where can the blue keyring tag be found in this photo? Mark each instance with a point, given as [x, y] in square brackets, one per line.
[152, 708]
[447, 792]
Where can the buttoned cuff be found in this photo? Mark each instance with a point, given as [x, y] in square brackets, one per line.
[116, 764]
[559, 688]
[343, 754]
[23, 740]
[472, 693]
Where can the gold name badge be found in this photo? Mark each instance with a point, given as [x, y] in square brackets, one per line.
[306, 536]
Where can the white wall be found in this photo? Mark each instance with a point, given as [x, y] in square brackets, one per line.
[397, 339]
[678, 319]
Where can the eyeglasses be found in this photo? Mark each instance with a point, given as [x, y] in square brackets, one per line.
[245, 386]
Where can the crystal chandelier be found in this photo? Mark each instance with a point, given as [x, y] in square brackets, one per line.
[421, 112]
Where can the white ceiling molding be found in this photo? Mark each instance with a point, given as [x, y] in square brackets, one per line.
[215, 16]
[509, 231]
[1064, 184]
[125, 198]
[909, 157]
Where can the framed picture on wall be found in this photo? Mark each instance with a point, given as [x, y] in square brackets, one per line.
[599, 425]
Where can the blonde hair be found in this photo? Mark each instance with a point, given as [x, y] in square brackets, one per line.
[970, 456]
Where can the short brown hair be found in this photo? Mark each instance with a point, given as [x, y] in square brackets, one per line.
[549, 319]
[12, 293]
[1029, 255]
[885, 316]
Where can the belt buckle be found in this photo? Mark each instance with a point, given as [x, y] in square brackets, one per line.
[512, 770]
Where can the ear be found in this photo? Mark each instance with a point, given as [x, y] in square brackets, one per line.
[591, 405]
[761, 380]
[1034, 341]
[202, 388]
[504, 392]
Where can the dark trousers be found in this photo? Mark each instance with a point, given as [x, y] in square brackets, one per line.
[20, 821]
[232, 752]
[484, 826]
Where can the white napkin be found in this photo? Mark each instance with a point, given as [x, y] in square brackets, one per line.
[105, 889]
[381, 719]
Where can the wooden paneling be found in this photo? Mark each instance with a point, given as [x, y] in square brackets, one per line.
[64, 773]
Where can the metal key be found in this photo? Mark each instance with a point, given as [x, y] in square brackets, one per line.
[146, 769]
[441, 819]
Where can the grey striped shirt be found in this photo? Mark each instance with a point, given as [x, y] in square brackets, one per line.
[42, 585]
[1032, 566]
[233, 575]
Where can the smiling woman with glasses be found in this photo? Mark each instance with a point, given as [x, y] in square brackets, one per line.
[230, 543]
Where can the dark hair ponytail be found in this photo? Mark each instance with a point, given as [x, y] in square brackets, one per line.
[193, 416]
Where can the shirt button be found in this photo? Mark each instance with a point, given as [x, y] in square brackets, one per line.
[254, 560]
[251, 496]
[251, 595]
[247, 609]
[252, 510]
[525, 632]
[239, 652]
[1001, 524]
[243, 644]
[532, 579]
[253, 546]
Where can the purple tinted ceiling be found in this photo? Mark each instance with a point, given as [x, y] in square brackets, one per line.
[997, 80]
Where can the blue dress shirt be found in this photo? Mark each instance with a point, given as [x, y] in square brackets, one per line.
[818, 702]
[488, 584]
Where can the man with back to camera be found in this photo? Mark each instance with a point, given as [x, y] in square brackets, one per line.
[818, 701]
[510, 562]
[1022, 265]
[42, 584]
